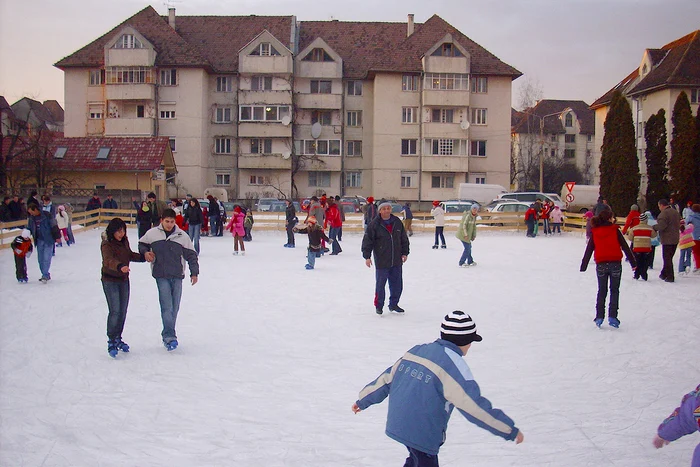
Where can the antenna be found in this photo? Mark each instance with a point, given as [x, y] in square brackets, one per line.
[286, 120]
[286, 155]
[464, 125]
[315, 130]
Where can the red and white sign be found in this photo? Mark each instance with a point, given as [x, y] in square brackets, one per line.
[570, 186]
[570, 198]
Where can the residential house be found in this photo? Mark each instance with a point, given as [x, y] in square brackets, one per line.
[6, 117]
[655, 84]
[32, 116]
[266, 105]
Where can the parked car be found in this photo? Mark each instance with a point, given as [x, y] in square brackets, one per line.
[531, 196]
[350, 208]
[264, 204]
[361, 200]
[496, 202]
[508, 207]
[455, 205]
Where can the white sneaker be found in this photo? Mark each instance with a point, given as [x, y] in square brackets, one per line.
[242, 253]
[687, 270]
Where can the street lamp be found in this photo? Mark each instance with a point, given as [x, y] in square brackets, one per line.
[561, 114]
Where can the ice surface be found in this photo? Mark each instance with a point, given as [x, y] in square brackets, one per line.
[272, 356]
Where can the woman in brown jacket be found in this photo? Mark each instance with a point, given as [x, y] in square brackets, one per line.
[116, 256]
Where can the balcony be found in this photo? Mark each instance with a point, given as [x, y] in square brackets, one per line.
[139, 91]
[444, 130]
[320, 69]
[445, 98]
[264, 130]
[264, 161]
[445, 163]
[264, 97]
[265, 65]
[319, 101]
[129, 126]
[324, 163]
[95, 127]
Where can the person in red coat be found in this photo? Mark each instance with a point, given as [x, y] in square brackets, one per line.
[632, 219]
[334, 220]
[530, 219]
[606, 245]
[544, 215]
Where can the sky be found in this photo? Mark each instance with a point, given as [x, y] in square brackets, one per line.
[571, 49]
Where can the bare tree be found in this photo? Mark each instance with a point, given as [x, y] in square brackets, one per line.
[529, 93]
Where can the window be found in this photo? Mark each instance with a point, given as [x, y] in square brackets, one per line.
[321, 116]
[320, 86]
[553, 138]
[408, 179]
[409, 115]
[96, 112]
[553, 153]
[168, 77]
[443, 115]
[695, 96]
[354, 88]
[317, 55]
[222, 145]
[261, 83]
[479, 116]
[128, 75]
[590, 138]
[640, 129]
[447, 50]
[261, 146]
[319, 179]
[408, 147]
[446, 147]
[223, 179]
[409, 83]
[478, 148]
[100, 186]
[354, 118]
[353, 179]
[264, 49]
[140, 111]
[258, 180]
[479, 178]
[172, 144]
[103, 153]
[97, 77]
[447, 81]
[223, 115]
[569, 121]
[60, 152]
[334, 147]
[322, 147]
[263, 113]
[443, 181]
[570, 138]
[167, 114]
[570, 153]
[128, 41]
[480, 84]
[224, 83]
[354, 148]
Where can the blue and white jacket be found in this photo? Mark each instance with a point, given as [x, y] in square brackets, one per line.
[425, 385]
[172, 251]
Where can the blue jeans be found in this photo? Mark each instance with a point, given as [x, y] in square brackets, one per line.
[213, 225]
[394, 275]
[530, 228]
[685, 259]
[169, 294]
[117, 295]
[44, 255]
[439, 233]
[418, 458]
[611, 272]
[466, 254]
[194, 231]
[71, 238]
[556, 227]
[333, 235]
[311, 257]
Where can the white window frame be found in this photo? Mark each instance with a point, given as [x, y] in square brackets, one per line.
[258, 180]
[128, 41]
[354, 148]
[320, 179]
[96, 112]
[445, 181]
[353, 179]
[410, 83]
[168, 77]
[354, 118]
[261, 83]
[480, 84]
[324, 117]
[173, 143]
[222, 145]
[96, 77]
[318, 147]
[479, 178]
[444, 113]
[569, 121]
[223, 179]
[409, 115]
[695, 96]
[479, 116]
[167, 114]
[220, 115]
[411, 146]
[354, 88]
[478, 148]
[321, 86]
[446, 147]
[259, 113]
[224, 84]
[408, 179]
[446, 81]
[261, 146]
[128, 75]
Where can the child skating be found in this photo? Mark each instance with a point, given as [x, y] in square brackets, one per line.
[316, 234]
[22, 249]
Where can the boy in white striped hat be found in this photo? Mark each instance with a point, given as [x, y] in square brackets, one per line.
[426, 384]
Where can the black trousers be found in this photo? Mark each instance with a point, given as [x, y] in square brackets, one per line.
[290, 233]
[21, 267]
[667, 271]
[642, 265]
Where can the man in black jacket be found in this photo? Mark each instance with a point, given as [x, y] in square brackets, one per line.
[386, 238]
[290, 220]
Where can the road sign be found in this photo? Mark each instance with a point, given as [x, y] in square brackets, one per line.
[570, 186]
[570, 198]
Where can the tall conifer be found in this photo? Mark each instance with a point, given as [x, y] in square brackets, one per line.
[656, 159]
[682, 167]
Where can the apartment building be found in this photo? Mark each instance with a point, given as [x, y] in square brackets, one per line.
[272, 106]
[655, 84]
[555, 129]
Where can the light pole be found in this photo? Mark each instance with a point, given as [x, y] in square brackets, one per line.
[561, 115]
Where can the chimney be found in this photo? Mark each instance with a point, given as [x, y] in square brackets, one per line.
[171, 17]
[410, 25]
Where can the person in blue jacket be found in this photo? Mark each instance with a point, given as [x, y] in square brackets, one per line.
[425, 385]
[683, 421]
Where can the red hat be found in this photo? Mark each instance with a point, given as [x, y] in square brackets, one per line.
[237, 209]
[370, 199]
[311, 220]
[436, 202]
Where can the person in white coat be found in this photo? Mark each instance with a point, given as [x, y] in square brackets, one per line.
[439, 215]
[63, 220]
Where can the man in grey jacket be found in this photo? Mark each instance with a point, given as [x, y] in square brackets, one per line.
[172, 248]
[668, 224]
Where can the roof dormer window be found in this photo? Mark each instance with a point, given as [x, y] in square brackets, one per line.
[128, 41]
[317, 55]
[645, 69]
[265, 49]
[447, 50]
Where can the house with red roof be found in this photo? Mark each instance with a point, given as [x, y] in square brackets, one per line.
[260, 105]
[655, 84]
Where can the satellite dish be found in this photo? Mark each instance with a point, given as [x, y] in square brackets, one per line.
[464, 125]
[286, 155]
[315, 130]
[286, 120]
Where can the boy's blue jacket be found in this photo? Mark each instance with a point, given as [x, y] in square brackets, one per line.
[425, 385]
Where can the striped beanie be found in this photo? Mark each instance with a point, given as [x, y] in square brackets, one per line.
[643, 217]
[458, 328]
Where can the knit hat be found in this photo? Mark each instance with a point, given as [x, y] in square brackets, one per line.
[25, 233]
[476, 206]
[370, 199]
[385, 203]
[643, 217]
[436, 203]
[458, 328]
[311, 220]
[634, 207]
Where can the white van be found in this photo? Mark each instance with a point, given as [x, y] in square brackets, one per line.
[480, 192]
[585, 197]
[531, 196]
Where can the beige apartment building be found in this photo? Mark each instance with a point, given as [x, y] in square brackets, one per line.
[268, 106]
[656, 84]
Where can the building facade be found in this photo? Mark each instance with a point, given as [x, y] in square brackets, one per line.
[268, 106]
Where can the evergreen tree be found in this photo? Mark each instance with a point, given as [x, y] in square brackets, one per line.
[695, 196]
[656, 158]
[619, 164]
[682, 167]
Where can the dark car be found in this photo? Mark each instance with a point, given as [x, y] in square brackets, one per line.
[350, 208]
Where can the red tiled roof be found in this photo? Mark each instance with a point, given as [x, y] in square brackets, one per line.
[675, 64]
[126, 154]
[530, 119]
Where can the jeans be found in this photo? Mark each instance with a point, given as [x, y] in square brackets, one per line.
[340, 233]
[333, 235]
[685, 259]
[213, 225]
[530, 228]
[169, 294]
[556, 227]
[311, 257]
[248, 236]
[439, 232]
[21, 267]
[44, 255]
[667, 271]
[394, 275]
[117, 295]
[611, 272]
[466, 254]
[545, 226]
[194, 231]
[418, 458]
[408, 226]
[71, 238]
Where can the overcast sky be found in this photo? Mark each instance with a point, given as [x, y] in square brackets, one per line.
[571, 49]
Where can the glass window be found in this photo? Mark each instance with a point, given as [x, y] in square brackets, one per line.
[408, 147]
[97, 77]
[354, 148]
[354, 88]
[223, 179]
[222, 145]
[354, 118]
[353, 179]
[569, 121]
[480, 84]
[168, 77]
[478, 148]
[321, 86]
[479, 116]
[223, 84]
[409, 115]
[409, 83]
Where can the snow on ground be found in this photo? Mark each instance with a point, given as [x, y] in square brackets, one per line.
[272, 356]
